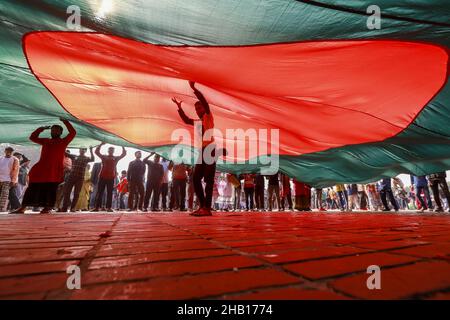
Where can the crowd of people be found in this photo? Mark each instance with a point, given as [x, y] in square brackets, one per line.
[65, 182]
[157, 184]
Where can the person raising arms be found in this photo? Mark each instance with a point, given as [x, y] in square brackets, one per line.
[203, 169]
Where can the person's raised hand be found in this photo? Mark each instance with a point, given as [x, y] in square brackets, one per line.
[178, 103]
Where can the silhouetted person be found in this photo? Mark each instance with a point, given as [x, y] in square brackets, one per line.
[155, 177]
[386, 190]
[107, 176]
[135, 175]
[203, 169]
[48, 173]
[438, 180]
[75, 179]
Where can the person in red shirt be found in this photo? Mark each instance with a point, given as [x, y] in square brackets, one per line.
[48, 172]
[249, 190]
[302, 196]
[122, 188]
[107, 176]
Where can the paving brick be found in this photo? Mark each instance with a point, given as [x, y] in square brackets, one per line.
[288, 294]
[400, 282]
[339, 266]
[172, 255]
[161, 269]
[32, 284]
[120, 261]
[190, 287]
[310, 253]
[391, 244]
[35, 268]
[438, 251]
[48, 254]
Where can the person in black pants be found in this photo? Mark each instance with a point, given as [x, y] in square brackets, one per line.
[386, 189]
[259, 191]
[135, 177]
[179, 179]
[107, 176]
[436, 180]
[205, 167]
[249, 190]
[155, 176]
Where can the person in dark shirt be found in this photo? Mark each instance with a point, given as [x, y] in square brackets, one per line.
[421, 185]
[107, 176]
[155, 175]
[95, 172]
[274, 188]
[259, 191]
[75, 179]
[386, 190]
[135, 175]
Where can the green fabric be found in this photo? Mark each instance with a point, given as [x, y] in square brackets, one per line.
[421, 148]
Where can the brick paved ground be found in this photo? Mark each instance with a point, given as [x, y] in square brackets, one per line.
[228, 256]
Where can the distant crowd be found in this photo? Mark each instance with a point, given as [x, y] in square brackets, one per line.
[153, 183]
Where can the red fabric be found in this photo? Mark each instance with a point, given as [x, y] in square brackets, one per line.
[50, 167]
[320, 95]
[122, 186]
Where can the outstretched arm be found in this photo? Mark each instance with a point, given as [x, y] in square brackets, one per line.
[92, 155]
[35, 135]
[97, 150]
[183, 115]
[124, 153]
[146, 159]
[200, 97]
[70, 128]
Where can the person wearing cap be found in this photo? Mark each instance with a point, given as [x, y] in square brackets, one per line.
[48, 172]
[9, 170]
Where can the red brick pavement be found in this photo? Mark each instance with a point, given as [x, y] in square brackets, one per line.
[227, 256]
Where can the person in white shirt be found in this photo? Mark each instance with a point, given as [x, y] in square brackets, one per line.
[9, 172]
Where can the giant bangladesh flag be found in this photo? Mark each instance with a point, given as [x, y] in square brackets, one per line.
[351, 104]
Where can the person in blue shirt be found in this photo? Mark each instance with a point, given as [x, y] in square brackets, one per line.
[421, 184]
